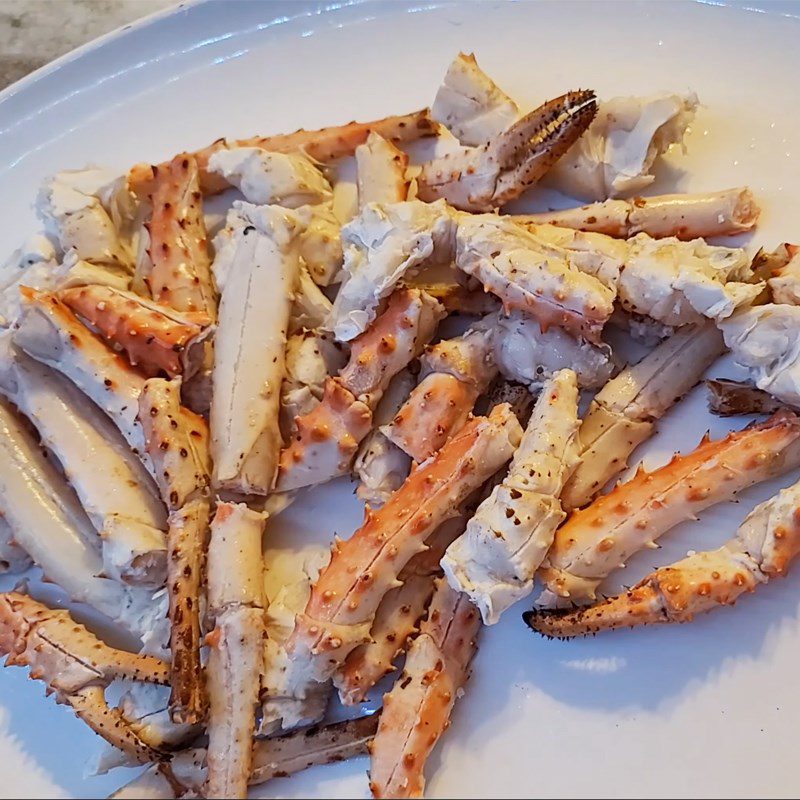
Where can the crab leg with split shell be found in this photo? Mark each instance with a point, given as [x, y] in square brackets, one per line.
[596, 541]
[384, 244]
[179, 269]
[52, 334]
[486, 177]
[511, 263]
[623, 413]
[155, 337]
[454, 373]
[684, 216]
[326, 144]
[235, 661]
[327, 438]
[381, 172]
[48, 523]
[115, 491]
[762, 549]
[276, 757]
[495, 560]
[397, 618]
[416, 712]
[76, 666]
[345, 598]
[177, 441]
[261, 267]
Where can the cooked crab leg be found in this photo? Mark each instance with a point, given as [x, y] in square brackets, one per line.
[525, 354]
[505, 542]
[783, 272]
[155, 337]
[49, 524]
[729, 398]
[70, 204]
[622, 415]
[596, 541]
[235, 662]
[381, 172]
[264, 178]
[51, 333]
[486, 177]
[416, 712]
[250, 349]
[321, 243]
[77, 666]
[276, 757]
[397, 618]
[471, 105]
[454, 373]
[385, 243]
[177, 441]
[380, 465]
[327, 438]
[684, 216]
[343, 602]
[762, 549]
[179, 273]
[326, 144]
[512, 264]
[113, 487]
[765, 340]
[615, 156]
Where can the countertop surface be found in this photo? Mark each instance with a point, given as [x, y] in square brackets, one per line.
[33, 32]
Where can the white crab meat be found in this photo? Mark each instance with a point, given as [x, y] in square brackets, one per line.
[287, 700]
[380, 465]
[471, 105]
[34, 265]
[113, 487]
[13, 559]
[765, 340]
[615, 156]
[382, 245]
[236, 657]
[525, 354]
[505, 542]
[70, 204]
[512, 264]
[73, 272]
[264, 178]
[249, 348]
[52, 334]
[381, 172]
[679, 283]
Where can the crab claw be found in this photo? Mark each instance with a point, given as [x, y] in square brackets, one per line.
[484, 178]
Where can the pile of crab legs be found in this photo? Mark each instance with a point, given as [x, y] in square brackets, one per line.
[210, 390]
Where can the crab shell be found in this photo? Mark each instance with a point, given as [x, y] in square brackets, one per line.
[381, 172]
[417, 710]
[180, 274]
[595, 541]
[362, 569]
[154, 337]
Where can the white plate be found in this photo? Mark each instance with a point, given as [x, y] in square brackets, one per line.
[709, 709]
